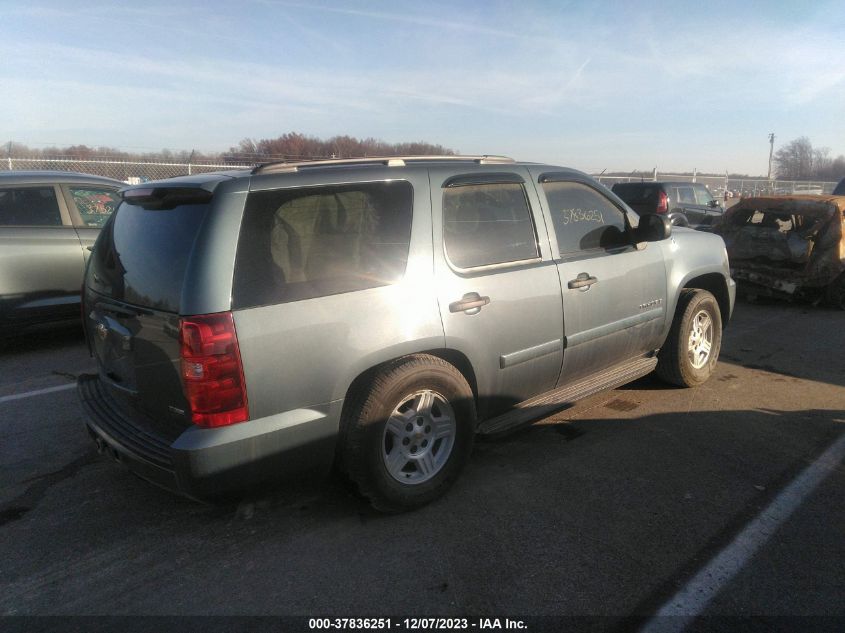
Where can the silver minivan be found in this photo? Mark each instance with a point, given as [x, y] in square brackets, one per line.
[375, 315]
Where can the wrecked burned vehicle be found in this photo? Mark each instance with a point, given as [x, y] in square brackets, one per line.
[788, 246]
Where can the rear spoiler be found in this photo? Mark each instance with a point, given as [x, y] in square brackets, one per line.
[162, 198]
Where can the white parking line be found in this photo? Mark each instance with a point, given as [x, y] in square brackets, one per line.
[37, 392]
[694, 597]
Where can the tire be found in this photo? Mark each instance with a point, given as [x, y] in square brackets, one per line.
[689, 355]
[407, 432]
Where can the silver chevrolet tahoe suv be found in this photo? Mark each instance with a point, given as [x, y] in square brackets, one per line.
[377, 314]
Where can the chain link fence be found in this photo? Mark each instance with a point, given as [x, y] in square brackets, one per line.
[132, 172]
[736, 186]
[135, 172]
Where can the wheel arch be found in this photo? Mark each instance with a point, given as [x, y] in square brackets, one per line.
[454, 357]
[715, 284]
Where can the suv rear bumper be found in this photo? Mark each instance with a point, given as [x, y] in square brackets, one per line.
[202, 463]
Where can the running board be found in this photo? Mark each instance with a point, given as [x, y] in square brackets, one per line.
[550, 401]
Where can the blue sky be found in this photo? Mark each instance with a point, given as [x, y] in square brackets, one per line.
[591, 85]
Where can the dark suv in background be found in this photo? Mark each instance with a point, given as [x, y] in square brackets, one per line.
[48, 221]
[684, 203]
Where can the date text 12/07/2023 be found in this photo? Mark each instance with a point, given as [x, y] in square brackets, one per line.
[416, 624]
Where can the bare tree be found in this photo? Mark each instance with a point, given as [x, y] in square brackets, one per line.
[837, 168]
[794, 161]
[799, 160]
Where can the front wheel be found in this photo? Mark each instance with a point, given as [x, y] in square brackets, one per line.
[408, 432]
[689, 355]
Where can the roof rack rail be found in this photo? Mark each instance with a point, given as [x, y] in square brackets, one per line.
[389, 161]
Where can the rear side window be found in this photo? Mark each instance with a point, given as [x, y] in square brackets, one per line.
[311, 242]
[583, 218]
[487, 224]
[29, 206]
[682, 195]
[95, 204]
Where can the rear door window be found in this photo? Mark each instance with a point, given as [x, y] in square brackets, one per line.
[29, 206]
[583, 218]
[683, 195]
[310, 242]
[487, 224]
[94, 204]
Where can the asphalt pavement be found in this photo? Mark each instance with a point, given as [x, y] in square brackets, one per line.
[610, 509]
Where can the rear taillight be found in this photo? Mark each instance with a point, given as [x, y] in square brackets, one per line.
[662, 202]
[212, 373]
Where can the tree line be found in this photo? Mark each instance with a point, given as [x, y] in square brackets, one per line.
[799, 160]
[290, 146]
[300, 146]
[796, 160]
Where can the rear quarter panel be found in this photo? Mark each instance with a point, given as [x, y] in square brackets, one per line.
[307, 353]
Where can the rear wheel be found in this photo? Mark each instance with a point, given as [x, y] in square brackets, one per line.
[408, 432]
[691, 350]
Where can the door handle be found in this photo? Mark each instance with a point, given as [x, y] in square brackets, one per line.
[583, 281]
[471, 303]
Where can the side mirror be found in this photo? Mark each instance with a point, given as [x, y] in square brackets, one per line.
[653, 228]
[713, 204]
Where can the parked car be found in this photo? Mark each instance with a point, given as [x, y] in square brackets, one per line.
[47, 221]
[788, 246]
[812, 190]
[377, 314]
[684, 203]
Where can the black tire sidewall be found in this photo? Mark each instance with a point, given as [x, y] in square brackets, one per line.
[367, 465]
[701, 300]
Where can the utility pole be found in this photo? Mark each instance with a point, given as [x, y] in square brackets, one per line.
[771, 150]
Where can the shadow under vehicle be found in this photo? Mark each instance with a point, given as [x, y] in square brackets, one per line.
[788, 246]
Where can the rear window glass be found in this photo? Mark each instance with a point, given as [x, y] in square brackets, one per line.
[141, 254]
[302, 243]
[775, 220]
[635, 192]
